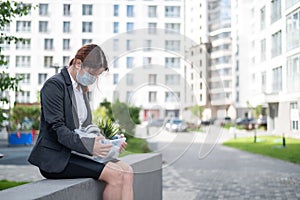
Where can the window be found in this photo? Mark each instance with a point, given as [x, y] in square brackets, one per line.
[263, 81]
[66, 44]
[43, 9]
[115, 79]
[294, 115]
[129, 79]
[128, 45]
[171, 79]
[152, 79]
[66, 27]
[147, 61]
[263, 18]
[129, 26]
[87, 27]
[152, 11]
[116, 10]
[276, 44]
[87, 9]
[48, 61]
[293, 73]
[290, 3]
[172, 45]
[172, 96]
[23, 26]
[87, 41]
[116, 96]
[116, 27]
[130, 11]
[172, 28]
[263, 50]
[116, 62]
[6, 28]
[25, 78]
[129, 62]
[237, 81]
[115, 44]
[173, 62]
[67, 10]
[293, 30]
[152, 28]
[129, 95]
[147, 45]
[48, 44]
[43, 26]
[23, 61]
[42, 78]
[277, 79]
[5, 61]
[275, 10]
[152, 97]
[201, 86]
[23, 97]
[66, 60]
[4, 45]
[23, 45]
[172, 11]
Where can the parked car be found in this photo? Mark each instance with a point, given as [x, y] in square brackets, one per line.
[176, 125]
[226, 120]
[247, 123]
[262, 122]
[208, 122]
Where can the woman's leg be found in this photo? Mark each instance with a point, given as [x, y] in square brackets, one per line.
[127, 190]
[119, 179]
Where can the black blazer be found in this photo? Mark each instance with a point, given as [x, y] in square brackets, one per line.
[59, 118]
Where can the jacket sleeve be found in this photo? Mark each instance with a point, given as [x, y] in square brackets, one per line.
[53, 105]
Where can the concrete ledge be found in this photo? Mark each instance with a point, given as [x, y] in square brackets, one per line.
[147, 183]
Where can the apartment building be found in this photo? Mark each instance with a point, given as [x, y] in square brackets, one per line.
[143, 41]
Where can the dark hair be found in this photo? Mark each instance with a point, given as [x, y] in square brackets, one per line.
[91, 55]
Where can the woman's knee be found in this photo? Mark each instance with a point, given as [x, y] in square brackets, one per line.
[112, 174]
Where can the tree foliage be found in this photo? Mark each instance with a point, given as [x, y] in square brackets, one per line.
[197, 111]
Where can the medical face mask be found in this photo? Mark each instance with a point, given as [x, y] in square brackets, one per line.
[85, 79]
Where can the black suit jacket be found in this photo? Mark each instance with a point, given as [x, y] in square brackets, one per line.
[59, 118]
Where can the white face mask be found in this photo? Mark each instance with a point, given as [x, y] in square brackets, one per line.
[86, 79]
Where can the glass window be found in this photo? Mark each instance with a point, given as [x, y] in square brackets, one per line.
[66, 27]
[115, 44]
[152, 11]
[23, 26]
[171, 79]
[66, 44]
[24, 45]
[173, 62]
[172, 45]
[87, 27]
[129, 95]
[129, 62]
[277, 79]
[25, 78]
[152, 28]
[152, 97]
[5, 62]
[43, 9]
[293, 73]
[147, 45]
[263, 18]
[87, 9]
[172, 11]
[172, 27]
[23, 97]
[66, 60]
[172, 96]
[42, 78]
[147, 61]
[67, 10]
[115, 79]
[129, 26]
[129, 79]
[23, 61]
[128, 45]
[43, 26]
[116, 10]
[116, 27]
[130, 11]
[87, 41]
[276, 44]
[290, 3]
[48, 44]
[116, 62]
[293, 30]
[263, 50]
[275, 10]
[48, 61]
[152, 79]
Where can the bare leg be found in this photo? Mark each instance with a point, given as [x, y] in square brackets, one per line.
[127, 190]
[113, 176]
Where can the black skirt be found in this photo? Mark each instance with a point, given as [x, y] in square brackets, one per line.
[78, 167]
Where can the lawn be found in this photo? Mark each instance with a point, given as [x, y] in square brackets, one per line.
[269, 146]
[136, 145]
[4, 184]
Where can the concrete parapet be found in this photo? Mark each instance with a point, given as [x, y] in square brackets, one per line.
[147, 183]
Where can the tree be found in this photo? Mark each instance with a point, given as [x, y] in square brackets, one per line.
[8, 11]
[197, 111]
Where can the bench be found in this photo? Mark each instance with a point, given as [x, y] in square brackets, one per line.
[147, 183]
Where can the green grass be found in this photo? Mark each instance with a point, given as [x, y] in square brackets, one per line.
[5, 184]
[136, 145]
[269, 146]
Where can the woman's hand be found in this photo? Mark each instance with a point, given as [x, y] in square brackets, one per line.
[123, 145]
[101, 149]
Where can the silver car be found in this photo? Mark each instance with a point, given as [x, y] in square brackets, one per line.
[176, 125]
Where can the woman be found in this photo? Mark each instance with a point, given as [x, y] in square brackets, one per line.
[64, 108]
